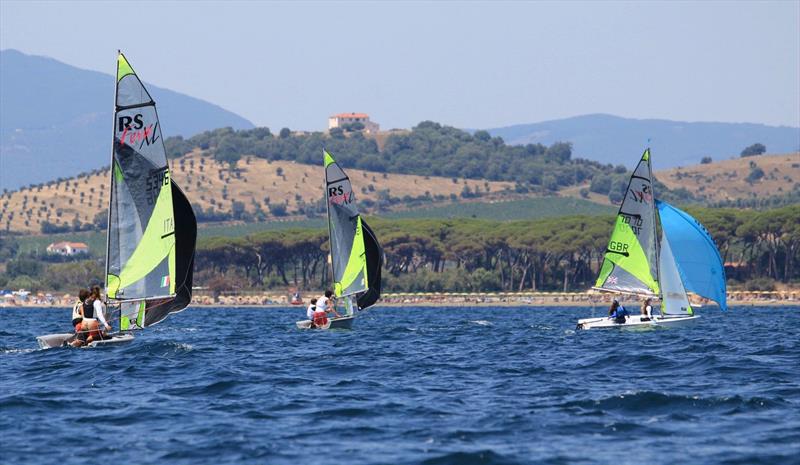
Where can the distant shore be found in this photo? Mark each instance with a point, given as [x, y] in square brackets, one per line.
[492, 299]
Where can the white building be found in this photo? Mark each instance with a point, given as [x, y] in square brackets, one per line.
[68, 248]
[342, 119]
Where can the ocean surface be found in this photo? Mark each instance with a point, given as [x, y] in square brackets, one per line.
[405, 386]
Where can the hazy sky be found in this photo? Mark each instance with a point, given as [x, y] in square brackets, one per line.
[470, 64]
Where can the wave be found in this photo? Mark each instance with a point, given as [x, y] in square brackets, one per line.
[482, 457]
[649, 402]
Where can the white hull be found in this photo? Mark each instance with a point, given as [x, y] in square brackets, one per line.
[50, 341]
[345, 322]
[637, 322]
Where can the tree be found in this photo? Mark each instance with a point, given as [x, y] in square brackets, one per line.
[756, 173]
[561, 151]
[23, 267]
[754, 150]
[238, 209]
[336, 133]
[277, 209]
[285, 133]
[601, 184]
[705, 160]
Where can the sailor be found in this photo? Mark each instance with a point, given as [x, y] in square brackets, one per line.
[82, 320]
[617, 312]
[647, 309]
[90, 326]
[99, 308]
[312, 308]
[319, 318]
[77, 310]
[326, 303]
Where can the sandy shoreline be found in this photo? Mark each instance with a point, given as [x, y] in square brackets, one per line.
[531, 299]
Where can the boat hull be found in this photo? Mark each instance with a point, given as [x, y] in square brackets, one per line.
[635, 322]
[345, 322]
[51, 341]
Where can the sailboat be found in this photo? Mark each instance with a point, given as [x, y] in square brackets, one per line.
[152, 228]
[356, 255]
[637, 264]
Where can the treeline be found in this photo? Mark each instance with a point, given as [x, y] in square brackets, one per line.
[759, 248]
[429, 149]
[477, 255]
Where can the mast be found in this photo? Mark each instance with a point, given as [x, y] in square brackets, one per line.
[655, 226]
[325, 157]
[111, 184]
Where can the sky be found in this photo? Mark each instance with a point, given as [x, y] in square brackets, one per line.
[466, 64]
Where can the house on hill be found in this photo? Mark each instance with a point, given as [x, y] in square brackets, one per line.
[68, 248]
[345, 119]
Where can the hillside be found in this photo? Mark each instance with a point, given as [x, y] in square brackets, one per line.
[612, 139]
[265, 189]
[55, 119]
[730, 180]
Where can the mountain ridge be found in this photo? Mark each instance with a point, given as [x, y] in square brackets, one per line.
[55, 118]
[608, 138]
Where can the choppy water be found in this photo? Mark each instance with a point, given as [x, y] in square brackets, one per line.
[406, 386]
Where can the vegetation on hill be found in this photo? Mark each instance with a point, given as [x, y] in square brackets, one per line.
[457, 254]
[429, 149]
[750, 182]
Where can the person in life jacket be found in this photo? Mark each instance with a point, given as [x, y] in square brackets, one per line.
[99, 308]
[82, 320]
[647, 309]
[311, 313]
[618, 312]
[327, 303]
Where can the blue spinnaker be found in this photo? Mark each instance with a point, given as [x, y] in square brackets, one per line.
[696, 255]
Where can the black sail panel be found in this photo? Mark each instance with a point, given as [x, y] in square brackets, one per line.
[374, 255]
[185, 241]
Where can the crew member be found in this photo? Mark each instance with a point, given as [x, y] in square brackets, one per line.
[647, 309]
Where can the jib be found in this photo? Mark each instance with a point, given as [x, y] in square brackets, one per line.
[125, 122]
[615, 246]
[334, 191]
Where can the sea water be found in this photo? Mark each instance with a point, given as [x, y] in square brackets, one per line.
[406, 386]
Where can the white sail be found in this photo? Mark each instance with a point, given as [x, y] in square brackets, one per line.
[673, 295]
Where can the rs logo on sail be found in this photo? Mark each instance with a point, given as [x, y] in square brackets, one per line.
[338, 196]
[134, 131]
[642, 196]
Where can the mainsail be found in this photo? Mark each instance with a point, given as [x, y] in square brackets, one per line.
[696, 255]
[630, 264]
[348, 251]
[152, 228]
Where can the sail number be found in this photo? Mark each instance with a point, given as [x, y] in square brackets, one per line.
[155, 180]
[169, 226]
[619, 247]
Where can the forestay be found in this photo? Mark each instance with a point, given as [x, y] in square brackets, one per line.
[630, 264]
[348, 251]
[144, 273]
[696, 255]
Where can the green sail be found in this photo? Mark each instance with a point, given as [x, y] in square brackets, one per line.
[348, 253]
[630, 262]
[141, 234]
